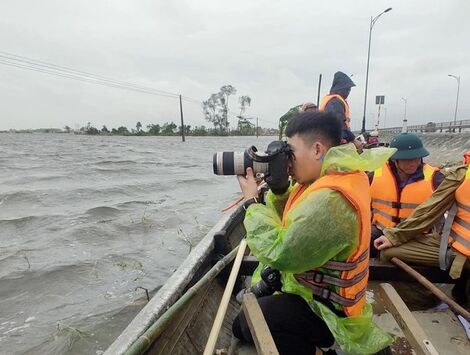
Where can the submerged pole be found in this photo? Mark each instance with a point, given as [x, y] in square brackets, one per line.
[182, 121]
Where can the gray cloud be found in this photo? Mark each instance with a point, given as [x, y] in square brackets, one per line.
[270, 50]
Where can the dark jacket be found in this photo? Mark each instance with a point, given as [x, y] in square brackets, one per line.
[342, 84]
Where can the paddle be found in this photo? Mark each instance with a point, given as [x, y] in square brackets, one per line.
[430, 286]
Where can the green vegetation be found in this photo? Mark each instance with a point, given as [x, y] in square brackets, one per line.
[245, 128]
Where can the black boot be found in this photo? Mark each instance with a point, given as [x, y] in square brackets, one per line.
[460, 290]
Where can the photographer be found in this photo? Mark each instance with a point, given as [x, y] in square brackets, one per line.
[308, 233]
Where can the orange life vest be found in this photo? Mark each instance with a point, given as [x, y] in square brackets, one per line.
[389, 205]
[328, 98]
[460, 230]
[349, 289]
[466, 157]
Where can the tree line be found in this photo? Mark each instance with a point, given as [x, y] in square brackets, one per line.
[168, 129]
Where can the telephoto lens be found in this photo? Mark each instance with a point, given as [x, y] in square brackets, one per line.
[236, 163]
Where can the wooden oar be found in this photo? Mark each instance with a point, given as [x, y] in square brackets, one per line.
[430, 286]
[219, 317]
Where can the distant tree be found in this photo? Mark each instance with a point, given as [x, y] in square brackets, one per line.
[245, 127]
[216, 108]
[211, 110]
[154, 129]
[168, 129]
[67, 129]
[138, 126]
[245, 102]
[91, 130]
[285, 118]
[200, 131]
[104, 129]
[225, 92]
[123, 131]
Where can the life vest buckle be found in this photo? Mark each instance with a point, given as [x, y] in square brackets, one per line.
[396, 204]
[318, 277]
[325, 293]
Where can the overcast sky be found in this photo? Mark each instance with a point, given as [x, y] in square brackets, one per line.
[272, 51]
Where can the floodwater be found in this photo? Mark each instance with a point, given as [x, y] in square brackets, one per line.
[86, 221]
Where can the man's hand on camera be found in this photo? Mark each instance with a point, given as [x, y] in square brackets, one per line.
[248, 184]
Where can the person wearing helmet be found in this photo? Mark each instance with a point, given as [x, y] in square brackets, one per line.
[402, 184]
[449, 250]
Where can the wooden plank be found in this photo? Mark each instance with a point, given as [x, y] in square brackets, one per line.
[409, 325]
[259, 329]
[219, 317]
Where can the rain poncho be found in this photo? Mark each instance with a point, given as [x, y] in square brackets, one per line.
[322, 227]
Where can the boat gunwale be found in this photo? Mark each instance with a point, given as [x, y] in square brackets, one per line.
[172, 289]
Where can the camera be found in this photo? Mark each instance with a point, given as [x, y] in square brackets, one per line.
[270, 282]
[236, 163]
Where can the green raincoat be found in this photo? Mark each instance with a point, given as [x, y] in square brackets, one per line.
[322, 227]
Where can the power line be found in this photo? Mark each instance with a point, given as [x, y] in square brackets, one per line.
[26, 63]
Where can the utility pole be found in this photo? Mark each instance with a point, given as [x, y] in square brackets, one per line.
[404, 129]
[182, 121]
[319, 89]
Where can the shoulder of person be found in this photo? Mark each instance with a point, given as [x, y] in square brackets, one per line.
[455, 173]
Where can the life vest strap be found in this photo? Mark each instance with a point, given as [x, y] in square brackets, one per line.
[460, 239]
[346, 265]
[321, 278]
[462, 206]
[462, 222]
[394, 219]
[327, 294]
[444, 254]
[395, 204]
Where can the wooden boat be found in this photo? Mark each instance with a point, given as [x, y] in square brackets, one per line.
[186, 330]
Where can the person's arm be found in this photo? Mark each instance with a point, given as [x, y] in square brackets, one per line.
[322, 227]
[429, 212]
[437, 179]
[278, 202]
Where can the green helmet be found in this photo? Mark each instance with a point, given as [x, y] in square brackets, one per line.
[409, 146]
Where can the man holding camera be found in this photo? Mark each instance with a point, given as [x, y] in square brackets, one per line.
[312, 239]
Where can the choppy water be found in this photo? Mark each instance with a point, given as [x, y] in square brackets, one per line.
[86, 220]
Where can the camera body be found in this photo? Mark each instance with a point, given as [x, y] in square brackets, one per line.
[270, 282]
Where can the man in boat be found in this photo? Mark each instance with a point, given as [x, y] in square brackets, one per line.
[336, 102]
[402, 184]
[316, 234]
[408, 241]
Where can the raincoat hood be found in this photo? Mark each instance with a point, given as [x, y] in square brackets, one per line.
[345, 158]
[342, 83]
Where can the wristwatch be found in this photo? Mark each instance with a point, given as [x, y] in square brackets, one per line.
[249, 202]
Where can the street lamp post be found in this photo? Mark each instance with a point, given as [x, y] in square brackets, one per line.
[373, 20]
[404, 129]
[385, 117]
[457, 100]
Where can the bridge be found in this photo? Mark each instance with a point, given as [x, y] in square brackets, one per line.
[450, 126]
